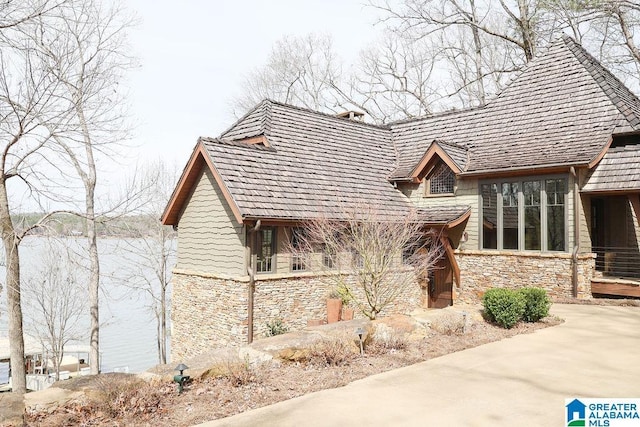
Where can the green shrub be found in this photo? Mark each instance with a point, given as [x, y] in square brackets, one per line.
[503, 306]
[276, 327]
[536, 304]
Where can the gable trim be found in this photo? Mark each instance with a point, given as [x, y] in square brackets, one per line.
[199, 158]
[433, 150]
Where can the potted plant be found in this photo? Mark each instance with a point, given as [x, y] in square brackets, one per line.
[345, 297]
[334, 307]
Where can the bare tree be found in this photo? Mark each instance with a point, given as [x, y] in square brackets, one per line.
[84, 44]
[27, 99]
[154, 251]
[56, 301]
[372, 258]
[299, 71]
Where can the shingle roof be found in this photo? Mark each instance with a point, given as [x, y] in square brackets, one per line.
[441, 214]
[561, 110]
[619, 170]
[317, 165]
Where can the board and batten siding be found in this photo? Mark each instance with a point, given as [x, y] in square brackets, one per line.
[466, 193]
[210, 240]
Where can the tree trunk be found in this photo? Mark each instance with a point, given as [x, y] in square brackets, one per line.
[14, 306]
[477, 42]
[528, 42]
[94, 282]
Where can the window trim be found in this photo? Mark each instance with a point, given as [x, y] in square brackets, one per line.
[521, 216]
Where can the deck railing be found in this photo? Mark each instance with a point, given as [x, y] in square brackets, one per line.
[618, 261]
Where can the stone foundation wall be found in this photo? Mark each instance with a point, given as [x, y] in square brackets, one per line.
[205, 313]
[297, 300]
[210, 312]
[484, 270]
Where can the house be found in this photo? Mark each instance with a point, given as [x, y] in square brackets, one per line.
[540, 187]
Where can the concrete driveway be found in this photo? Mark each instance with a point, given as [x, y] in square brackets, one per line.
[519, 381]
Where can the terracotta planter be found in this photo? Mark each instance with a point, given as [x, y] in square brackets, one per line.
[347, 313]
[334, 307]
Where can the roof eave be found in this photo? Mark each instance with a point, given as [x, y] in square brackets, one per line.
[536, 169]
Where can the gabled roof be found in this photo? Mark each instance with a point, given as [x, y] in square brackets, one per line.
[560, 111]
[453, 155]
[288, 163]
[316, 165]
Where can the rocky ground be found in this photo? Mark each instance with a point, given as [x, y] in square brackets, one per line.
[227, 382]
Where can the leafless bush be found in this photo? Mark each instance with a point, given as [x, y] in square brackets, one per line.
[449, 323]
[393, 341]
[236, 373]
[336, 351]
[120, 396]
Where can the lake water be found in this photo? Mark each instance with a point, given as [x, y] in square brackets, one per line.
[128, 325]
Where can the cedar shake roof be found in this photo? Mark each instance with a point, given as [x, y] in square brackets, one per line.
[561, 110]
[443, 214]
[283, 162]
[619, 170]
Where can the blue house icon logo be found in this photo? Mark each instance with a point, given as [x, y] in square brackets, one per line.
[576, 413]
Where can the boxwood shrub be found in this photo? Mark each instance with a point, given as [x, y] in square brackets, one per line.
[503, 306]
[536, 304]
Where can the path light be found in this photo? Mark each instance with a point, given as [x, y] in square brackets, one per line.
[360, 333]
[181, 379]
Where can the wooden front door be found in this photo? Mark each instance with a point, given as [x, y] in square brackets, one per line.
[441, 284]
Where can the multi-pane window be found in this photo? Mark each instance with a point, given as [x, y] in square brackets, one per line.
[556, 189]
[297, 245]
[510, 212]
[489, 216]
[265, 249]
[532, 225]
[524, 215]
[328, 257]
[442, 180]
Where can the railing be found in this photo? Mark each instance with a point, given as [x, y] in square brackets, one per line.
[618, 262]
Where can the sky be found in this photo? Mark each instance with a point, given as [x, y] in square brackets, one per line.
[193, 56]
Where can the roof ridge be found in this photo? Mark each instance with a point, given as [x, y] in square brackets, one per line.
[602, 77]
[452, 144]
[328, 115]
[436, 115]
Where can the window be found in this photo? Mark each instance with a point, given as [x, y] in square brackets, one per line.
[524, 215]
[442, 180]
[297, 246]
[532, 225]
[510, 214]
[328, 257]
[556, 190]
[489, 216]
[266, 249]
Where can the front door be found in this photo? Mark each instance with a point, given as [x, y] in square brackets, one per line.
[441, 284]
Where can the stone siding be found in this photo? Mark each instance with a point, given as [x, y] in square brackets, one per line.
[209, 312]
[206, 312]
[484, 270]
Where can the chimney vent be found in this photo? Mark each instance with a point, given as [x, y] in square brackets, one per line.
[351, 115]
